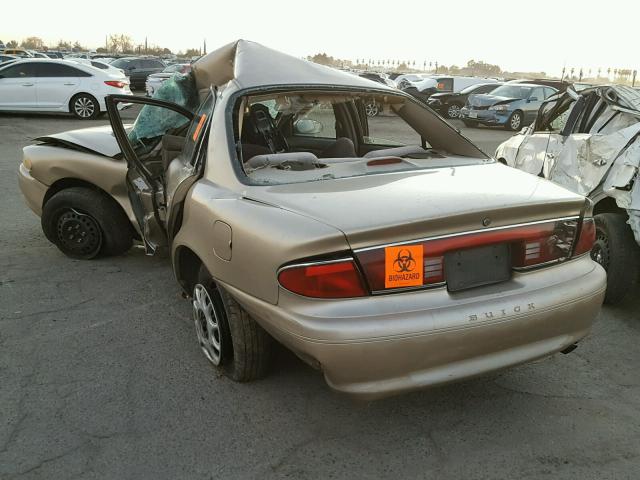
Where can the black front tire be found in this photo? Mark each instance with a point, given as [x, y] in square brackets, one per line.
[618, 253]
[84, 106]
[246, 348]
[85, 223]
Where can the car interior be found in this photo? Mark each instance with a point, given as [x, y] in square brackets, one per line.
[304, 136]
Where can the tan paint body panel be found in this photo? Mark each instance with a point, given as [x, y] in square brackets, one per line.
[378, 346]
[50, 164]
[264, 238]
[396, 207]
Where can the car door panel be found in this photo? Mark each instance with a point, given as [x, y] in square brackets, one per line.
[157, 193]
[531, 154]
[55, 92]
[18, 88]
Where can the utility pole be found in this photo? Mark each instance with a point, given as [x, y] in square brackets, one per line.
[145, 45]
[633, 82]
[205, 47]
[436, 67]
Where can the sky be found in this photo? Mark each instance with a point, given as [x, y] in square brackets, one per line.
[541, 35]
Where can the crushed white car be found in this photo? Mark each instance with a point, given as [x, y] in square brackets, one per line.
[589, 142]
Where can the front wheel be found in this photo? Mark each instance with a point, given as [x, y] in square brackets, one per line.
[85, 223]
[372, 109]
[514, 122]
[229, 338]
[453, 110]
[618, 253]
[84, 106]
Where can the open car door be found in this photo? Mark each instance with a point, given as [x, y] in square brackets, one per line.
[165, 150]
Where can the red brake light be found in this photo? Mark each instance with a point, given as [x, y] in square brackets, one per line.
[586, 238]
[115, 83]
[531, 245]
[336, 279]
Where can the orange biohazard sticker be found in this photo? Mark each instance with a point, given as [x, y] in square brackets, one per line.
[199, 127]
[403, 266]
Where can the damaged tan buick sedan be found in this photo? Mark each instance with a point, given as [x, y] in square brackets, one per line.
[388, 252]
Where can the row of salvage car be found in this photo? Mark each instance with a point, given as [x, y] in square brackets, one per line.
[589, 142]
[290, 215]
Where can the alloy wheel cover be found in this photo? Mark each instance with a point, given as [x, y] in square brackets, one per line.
[207, 325]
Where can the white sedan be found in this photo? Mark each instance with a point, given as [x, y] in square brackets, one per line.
[47, 85]
[99, 64]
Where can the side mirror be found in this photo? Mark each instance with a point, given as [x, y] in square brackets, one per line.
[132, 68]
[524, 130]
[532, 99]
[307, 126]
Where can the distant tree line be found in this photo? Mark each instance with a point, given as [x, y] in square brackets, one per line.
[472, 68]
[116, 44]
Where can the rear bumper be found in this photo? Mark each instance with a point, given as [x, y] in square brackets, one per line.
[384, 345]
[32, 190]
[487, 117]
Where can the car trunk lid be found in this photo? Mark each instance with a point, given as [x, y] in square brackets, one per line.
[398, 207]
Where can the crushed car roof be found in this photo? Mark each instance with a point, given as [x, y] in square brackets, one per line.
[251, 65]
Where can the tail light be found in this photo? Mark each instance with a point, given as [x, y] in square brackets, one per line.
[586, 237]
[115, 83]
[532, 245]
[329, 279]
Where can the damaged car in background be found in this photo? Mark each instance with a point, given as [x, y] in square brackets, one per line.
[389, 253]
[589, 142]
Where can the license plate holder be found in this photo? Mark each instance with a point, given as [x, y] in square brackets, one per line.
[476, 267]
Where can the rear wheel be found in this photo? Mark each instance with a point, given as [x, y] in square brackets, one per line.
[229, 338]
[618, 253]
[85, 223]
[84, 106]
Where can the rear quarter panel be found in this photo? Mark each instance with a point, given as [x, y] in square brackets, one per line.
[263, 238]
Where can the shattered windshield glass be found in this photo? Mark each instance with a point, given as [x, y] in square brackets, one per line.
[153, 122]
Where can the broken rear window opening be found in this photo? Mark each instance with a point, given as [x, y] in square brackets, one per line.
[304, 136]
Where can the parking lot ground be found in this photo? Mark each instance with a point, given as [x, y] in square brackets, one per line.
[101, 378]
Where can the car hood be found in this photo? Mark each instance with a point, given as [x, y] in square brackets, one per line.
[98, 140]
[487, 100]
[384, 208]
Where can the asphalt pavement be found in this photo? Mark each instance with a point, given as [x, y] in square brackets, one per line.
[101, 378]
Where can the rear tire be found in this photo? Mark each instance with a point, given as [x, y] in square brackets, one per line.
[85, 223]
[243, 351]
[84, 106]
[618, 253]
